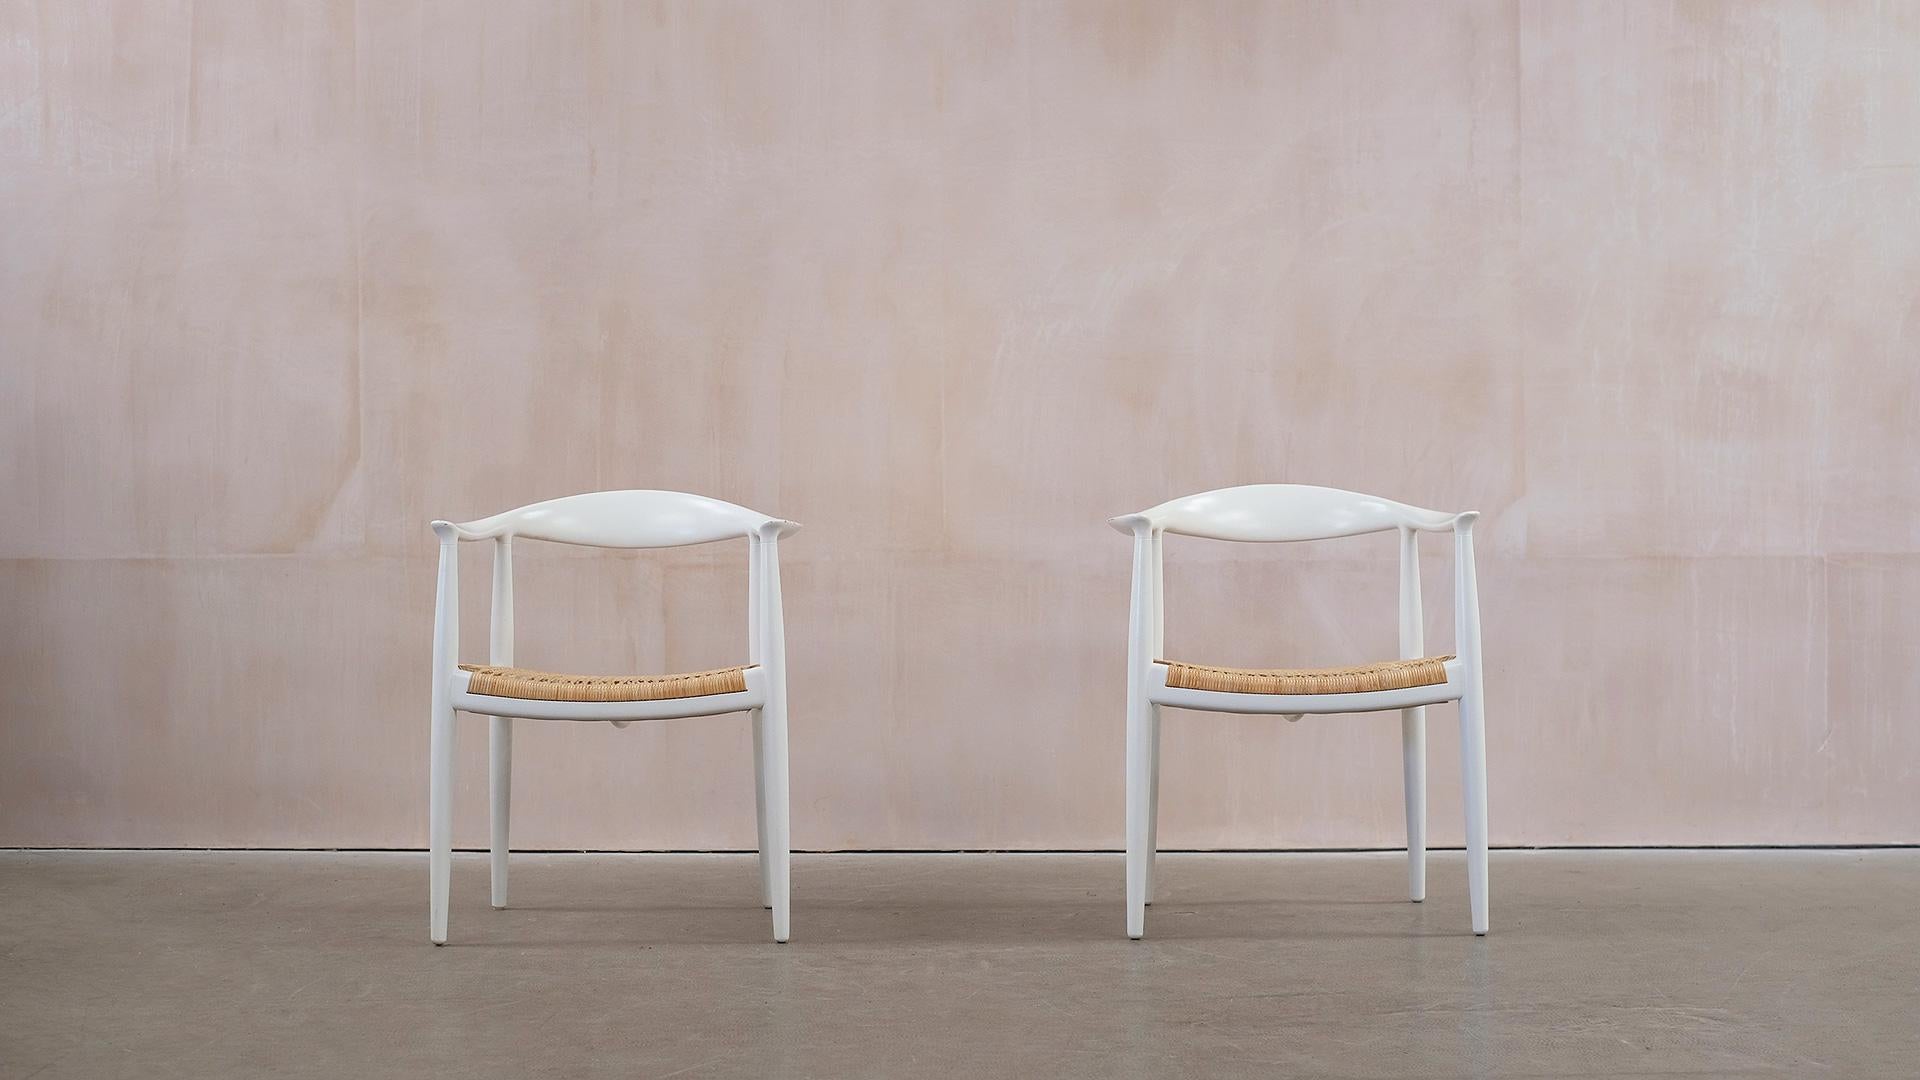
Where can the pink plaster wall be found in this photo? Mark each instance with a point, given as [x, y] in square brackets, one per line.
[952, 283]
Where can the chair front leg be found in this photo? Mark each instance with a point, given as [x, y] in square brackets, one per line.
[1139, 781]
[440, 819]
[1473, 727]
[1139, 792]
[776, 842]
[775, 847]
[446, 652]
[1473, 776]
[1156, 627]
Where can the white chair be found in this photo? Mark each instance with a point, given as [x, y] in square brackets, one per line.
[610, 519]
[1288, 512]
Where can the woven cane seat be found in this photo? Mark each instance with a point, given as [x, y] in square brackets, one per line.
[550, 686]
[1385, 675]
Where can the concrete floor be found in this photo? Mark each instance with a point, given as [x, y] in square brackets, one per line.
[1696, 964]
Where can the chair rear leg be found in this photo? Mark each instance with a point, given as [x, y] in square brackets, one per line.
[1153, 803]
[1413, 755]
[754, 721]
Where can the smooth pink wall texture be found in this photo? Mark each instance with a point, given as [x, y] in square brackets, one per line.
[952, 284]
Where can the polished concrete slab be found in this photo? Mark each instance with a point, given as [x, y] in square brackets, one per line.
[1600, 964]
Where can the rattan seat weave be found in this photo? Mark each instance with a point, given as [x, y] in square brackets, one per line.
[549, 686]
[1384, 675]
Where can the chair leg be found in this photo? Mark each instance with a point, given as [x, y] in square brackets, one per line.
[773, 778]
[1153, 802]
[500, 798]
[1139, 787]
[439, 822]
[1473, 782]
[1413, 754]
[760, 807]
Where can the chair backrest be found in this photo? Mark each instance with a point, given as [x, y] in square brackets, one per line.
[1261, 513]
[611, 519]
[1283, 512]
[623, 519]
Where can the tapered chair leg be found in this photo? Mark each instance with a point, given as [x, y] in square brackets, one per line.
[1413, 754]
[439, 822]
[500, 800]
[1153, 801]
[754, 720]
[1473, 777]
[1139, 787]
[773, 779]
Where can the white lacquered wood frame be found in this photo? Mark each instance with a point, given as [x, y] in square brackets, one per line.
[618, 519]
[1266, 513]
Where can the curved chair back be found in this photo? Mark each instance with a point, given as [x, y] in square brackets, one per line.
[623, 519]
[1257, 513]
